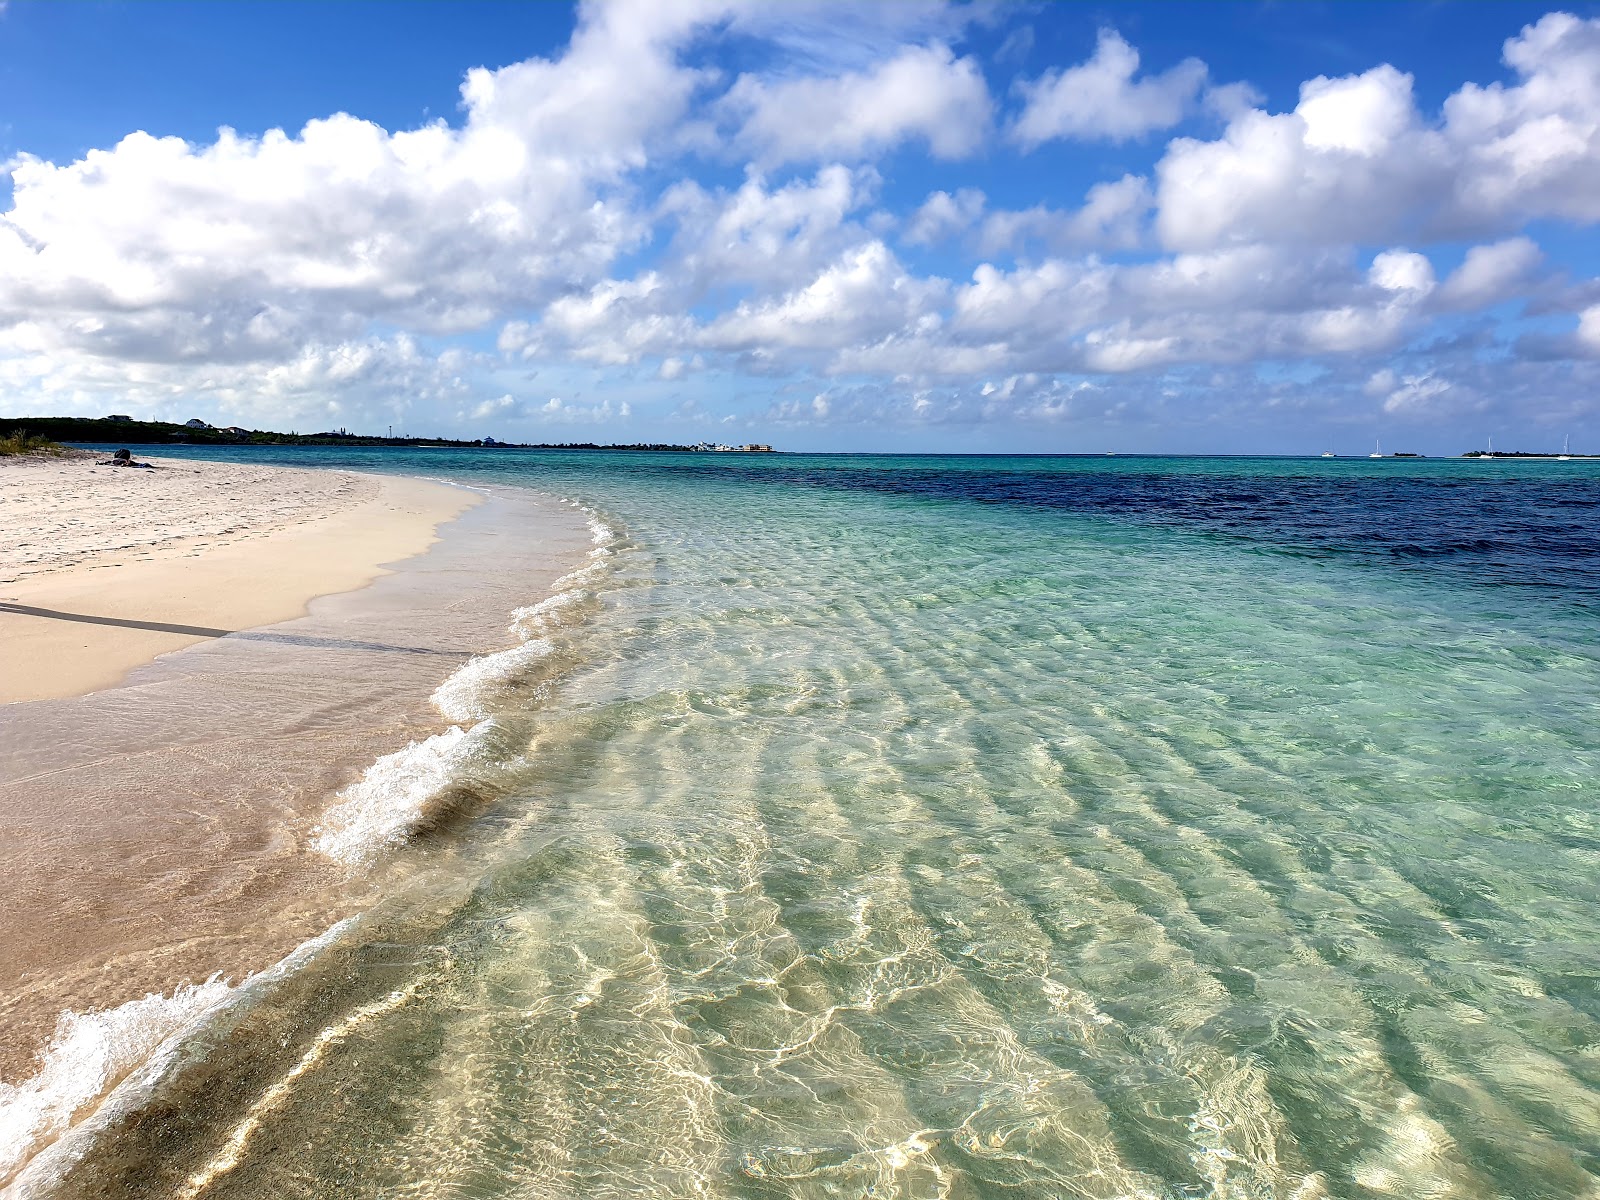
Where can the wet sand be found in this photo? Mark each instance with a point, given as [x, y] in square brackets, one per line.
[156, 833]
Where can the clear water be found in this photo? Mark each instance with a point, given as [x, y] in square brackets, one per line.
[975, 828]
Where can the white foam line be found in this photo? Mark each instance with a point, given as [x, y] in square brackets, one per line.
[466, 487]
[89, 1054]
[465, 695]
[397, 793]
[129, 1047]
[120, 1054]
[538, 618]
[393, 797]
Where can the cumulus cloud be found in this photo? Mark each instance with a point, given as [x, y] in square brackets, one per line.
[1357, 161]
[924, 92]
[943, 215]
[286, 249]
[556, 411]
[864, 296]
[1491, 274]
[1101, 100]
[505, 407]
[1226, 306]
[1112, 218]
[1586, 341]
[673, 368]
[760, 234]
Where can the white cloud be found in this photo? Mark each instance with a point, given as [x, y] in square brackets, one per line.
[1101, 100]
[1359, 114]
[762, 235]
[556, 411]
[1588, 335]
[1289, 179]
[360, 383]
[505, 407]
[1381, 382]
[673, 368]
[943, 215]
[1402, 271]
[1356, 161]
[614, 323]
[863, 296]
[924, 92]
[1417, 395]
[1491, 274]
[280, 249]
[1112, 218]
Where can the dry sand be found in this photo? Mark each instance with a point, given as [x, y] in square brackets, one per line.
[105, 568]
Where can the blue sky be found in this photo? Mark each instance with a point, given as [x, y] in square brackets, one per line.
[1162, 227]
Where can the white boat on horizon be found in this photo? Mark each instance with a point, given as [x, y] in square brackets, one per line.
[1377, 449]
[1566, 449]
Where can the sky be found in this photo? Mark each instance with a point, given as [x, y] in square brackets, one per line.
[1049, 228]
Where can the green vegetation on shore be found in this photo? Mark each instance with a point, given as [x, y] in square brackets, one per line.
[122, 430]
[20, 440]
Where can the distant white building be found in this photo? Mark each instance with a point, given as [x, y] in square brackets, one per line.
[195, 423]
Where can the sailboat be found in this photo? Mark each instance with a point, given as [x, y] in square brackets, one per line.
[1489, 453]
[1565, 449]
[1377, 449]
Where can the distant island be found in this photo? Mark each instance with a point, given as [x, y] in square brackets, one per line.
[196, 432]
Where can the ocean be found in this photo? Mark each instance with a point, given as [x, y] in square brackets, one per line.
[956, 827]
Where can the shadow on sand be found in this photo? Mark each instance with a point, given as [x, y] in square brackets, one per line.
[285, 639]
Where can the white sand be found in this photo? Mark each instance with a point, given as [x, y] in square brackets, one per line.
[104, 568]
[65, 511]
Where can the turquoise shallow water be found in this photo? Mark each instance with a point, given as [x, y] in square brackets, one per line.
[974, 827]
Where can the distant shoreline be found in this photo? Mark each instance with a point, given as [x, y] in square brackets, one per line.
[108, 430]
[98, 432]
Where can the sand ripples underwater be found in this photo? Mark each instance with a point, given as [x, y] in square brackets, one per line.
[831, 841]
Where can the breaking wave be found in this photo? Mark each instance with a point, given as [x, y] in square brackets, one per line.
[89, 1055]
[393, 799]
[412, 789]
[472, 692]
[103, 1063]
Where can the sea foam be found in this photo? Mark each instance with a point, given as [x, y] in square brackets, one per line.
[103, 1064]
[549, 613]
[89, 1054]
[397, 796]
[468, 695]
[465, 696]
[403, 792]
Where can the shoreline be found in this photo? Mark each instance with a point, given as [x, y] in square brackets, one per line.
[82, 622]
[158, 834]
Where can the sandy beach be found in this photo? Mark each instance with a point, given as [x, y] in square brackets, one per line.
[199, 686]
[104, 568]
